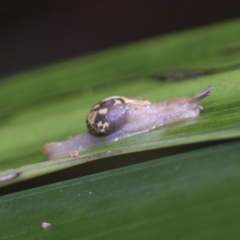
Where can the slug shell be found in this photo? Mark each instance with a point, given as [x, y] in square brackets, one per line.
[110, 114]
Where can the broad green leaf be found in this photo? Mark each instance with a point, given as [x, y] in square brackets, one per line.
[193, 195]
[50, 104]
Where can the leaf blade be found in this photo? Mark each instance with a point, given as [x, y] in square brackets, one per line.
[186, 196]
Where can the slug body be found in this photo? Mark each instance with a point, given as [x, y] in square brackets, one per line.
[119, 117]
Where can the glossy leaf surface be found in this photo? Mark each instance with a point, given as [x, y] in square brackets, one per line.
[193, 195]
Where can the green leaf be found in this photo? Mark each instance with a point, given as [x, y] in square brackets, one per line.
[50, 104]
[193, 195]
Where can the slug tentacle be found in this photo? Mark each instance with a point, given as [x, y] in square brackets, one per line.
[118, 117]
[206, 92]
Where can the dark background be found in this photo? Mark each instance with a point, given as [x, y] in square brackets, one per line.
[35, 33]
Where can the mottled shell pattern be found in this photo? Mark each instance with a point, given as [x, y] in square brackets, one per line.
[110, 114]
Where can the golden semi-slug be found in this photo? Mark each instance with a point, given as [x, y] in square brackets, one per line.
[118, 117]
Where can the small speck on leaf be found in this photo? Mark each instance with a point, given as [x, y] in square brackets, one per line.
[46, 225]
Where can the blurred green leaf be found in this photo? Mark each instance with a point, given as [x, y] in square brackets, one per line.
[50, 104]
[193, 195]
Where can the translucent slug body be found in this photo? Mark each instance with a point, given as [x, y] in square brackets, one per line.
[119, 117]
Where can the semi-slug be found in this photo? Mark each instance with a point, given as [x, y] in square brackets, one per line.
[118, 117]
